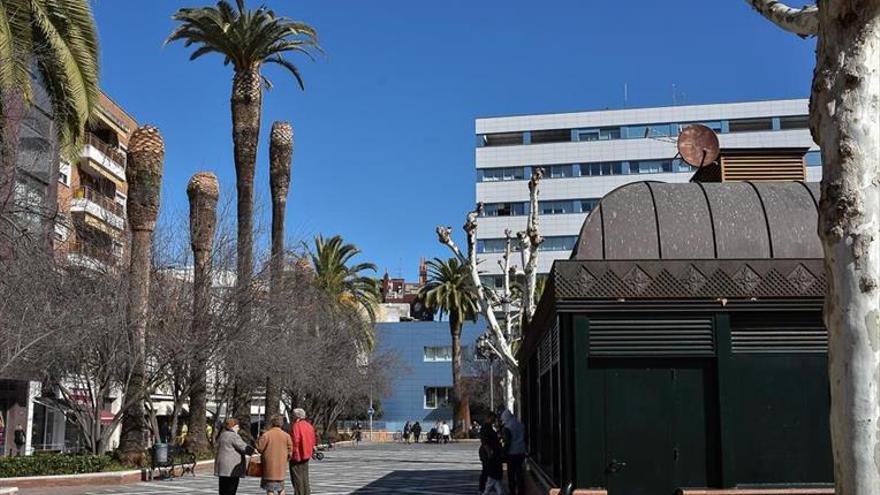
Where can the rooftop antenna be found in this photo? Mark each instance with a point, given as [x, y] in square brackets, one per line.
[674, 99]
[625, 95]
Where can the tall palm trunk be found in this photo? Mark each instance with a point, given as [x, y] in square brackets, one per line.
[146, 154]
[203, 192]
[247, 100]
[280, 157]
[460, 403]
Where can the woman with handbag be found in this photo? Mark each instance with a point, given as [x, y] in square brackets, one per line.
[275, 447]
[230, 464]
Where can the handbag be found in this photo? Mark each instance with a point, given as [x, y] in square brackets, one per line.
[255, 468]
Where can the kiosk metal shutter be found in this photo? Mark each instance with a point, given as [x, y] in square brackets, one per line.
[688, 336]
[795, 334]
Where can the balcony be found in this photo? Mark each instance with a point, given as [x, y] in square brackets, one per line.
[91, 256]
[91, 202]
[103, 155]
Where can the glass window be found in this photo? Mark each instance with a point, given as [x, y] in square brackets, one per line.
[794, 122]
[437, 397]
[491, 245]
[588, 135]
[814, 158]
[558, 243]
[503, 139]
[501, 174]
[558, 171]
[551, 136]
[649, 166]
[601, 168]
[679, 165]
[585, 205]
[438, 353]
[504, 209]
[555, 207]
[751, 125]
[608, 133]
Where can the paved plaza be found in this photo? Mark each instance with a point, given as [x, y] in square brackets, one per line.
[368, 469]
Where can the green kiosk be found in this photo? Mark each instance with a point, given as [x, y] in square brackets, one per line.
[681, 347]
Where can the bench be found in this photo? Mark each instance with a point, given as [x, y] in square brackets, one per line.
[177, 457]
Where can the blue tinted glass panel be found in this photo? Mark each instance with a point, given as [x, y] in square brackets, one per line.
[814, 159]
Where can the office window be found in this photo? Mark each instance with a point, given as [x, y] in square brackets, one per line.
[551, 136]
[558, 171]
[438, 354]
[503, 139]
[649, 131]
[555, 207]
[501, 174]
[649, 166]
[794, 122]
[751, 125]
[588, 135]
[558, 243]
[64, 173]
[602, 134]
[437, 397]
[585, 205]
[491, 245]
[601, 168]
[505, 209]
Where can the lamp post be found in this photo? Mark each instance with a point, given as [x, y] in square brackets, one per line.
[371, 411]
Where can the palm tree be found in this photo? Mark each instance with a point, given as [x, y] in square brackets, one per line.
[56, 41]
[203, 192]
[146, 156]
[247, 39]
[450, 290]
[280, 157]
[344, 283]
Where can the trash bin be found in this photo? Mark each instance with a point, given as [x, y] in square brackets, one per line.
[160, 454]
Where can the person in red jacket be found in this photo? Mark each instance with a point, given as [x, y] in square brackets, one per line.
[303, 435]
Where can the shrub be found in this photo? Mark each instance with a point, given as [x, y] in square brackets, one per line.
[49, 464]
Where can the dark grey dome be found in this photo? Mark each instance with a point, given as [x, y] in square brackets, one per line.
[656, 220]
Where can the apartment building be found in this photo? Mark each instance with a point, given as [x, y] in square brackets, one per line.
[92, 193]
[585, 155]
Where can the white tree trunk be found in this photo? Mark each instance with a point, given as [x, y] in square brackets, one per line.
[845, 118]
[845, 121]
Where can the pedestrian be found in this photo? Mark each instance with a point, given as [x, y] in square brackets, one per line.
[406, 431]
[491, 459]
[275, 449]
[513, 435]
[489, 436]
[230, 464]
[444, 432]
[181, 437]
[19, 440]
[417, 431]
[357, 433]
[303, 435]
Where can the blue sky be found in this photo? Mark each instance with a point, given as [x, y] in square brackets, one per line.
[385, 129]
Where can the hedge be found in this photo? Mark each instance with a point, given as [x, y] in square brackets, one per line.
[49, 464]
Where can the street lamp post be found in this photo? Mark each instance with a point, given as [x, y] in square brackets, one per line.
[371, 411]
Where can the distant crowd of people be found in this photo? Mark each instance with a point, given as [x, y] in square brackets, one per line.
[439, 433]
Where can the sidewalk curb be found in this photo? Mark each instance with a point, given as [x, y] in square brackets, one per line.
[87, 479]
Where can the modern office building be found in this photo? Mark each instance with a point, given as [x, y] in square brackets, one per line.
[585, 155]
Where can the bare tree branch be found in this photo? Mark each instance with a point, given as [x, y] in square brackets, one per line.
[803, 22]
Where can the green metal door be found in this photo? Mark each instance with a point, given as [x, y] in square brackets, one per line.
[657, 425]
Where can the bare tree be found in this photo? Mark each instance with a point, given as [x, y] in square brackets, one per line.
[845, 122]
[146, 154]
[498, 340]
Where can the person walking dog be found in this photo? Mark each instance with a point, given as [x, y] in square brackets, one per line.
[303, 435]
[275, 448]
[230, 464]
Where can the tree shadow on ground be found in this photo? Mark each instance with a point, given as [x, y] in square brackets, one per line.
[452, 482]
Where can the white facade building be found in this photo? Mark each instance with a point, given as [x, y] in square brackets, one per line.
[585, 155]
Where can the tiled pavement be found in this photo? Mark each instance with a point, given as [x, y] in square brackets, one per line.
[369, 469]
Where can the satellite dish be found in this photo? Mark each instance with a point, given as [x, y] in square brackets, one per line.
[698, 145]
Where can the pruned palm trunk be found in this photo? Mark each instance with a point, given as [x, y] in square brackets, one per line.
[845, 119]
[460, 403]
[280, 157]
[146, 154]
[203, 192]
[247, 100]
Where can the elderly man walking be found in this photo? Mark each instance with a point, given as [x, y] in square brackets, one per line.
[303, 435]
